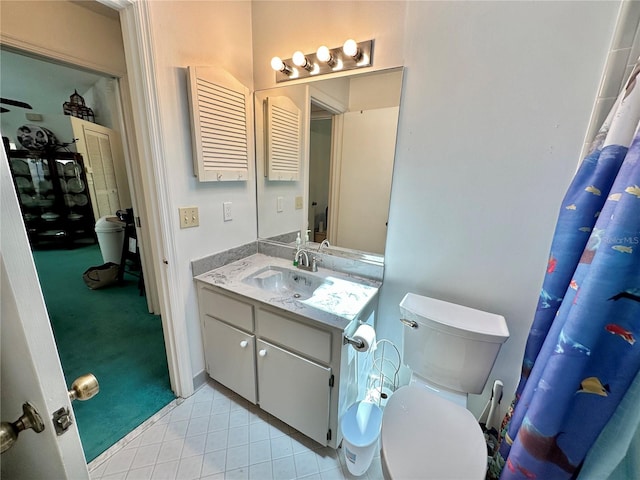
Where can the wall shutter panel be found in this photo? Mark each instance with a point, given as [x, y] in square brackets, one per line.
[283, 120]
[220, 124]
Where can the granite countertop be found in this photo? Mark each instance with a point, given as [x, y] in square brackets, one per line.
[338, 301]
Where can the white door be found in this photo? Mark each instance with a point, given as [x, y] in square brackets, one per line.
[30, 366]
[369, 142]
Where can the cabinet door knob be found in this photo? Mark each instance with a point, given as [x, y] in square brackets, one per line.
[244, 344]
[262, 352]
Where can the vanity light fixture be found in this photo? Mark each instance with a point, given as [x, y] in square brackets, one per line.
[279, 66]
[351, 49]
[324, 55]
[300, 60]
[349, 56]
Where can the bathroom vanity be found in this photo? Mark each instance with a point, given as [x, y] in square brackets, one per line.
[274, 334]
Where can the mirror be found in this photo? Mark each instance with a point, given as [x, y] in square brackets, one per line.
[344, 154]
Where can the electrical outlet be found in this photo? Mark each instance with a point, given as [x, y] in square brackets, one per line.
[189, 217]
[280, 207]
[226, 211]
[298, 203]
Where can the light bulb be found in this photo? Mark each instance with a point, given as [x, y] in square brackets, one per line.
[323, 53]
[350, 48]
[299, 59]
[277, 64]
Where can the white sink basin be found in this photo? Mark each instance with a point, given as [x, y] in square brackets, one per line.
[285, 282]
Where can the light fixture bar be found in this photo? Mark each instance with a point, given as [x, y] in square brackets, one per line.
[339, 62]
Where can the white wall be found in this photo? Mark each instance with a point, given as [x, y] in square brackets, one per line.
[200, 34]
[66, 31]
[497, 97]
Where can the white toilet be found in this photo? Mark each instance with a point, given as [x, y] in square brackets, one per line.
[427, 432]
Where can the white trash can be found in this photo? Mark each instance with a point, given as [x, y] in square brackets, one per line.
[110, 238]
[360, 426]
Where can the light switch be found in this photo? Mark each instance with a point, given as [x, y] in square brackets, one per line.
[280, 207]
[226, 209]
[189, 217]
[298, 203]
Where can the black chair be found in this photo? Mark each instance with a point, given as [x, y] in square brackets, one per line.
[130, 260]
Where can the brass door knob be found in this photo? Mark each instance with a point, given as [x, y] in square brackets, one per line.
[9, 431]
[84, 387]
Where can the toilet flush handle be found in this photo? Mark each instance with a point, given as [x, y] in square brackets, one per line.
[409, 323]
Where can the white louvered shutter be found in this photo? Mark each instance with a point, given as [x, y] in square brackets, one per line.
[283, 139]
[220, 124]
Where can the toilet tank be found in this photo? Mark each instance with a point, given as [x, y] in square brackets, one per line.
[449, 345]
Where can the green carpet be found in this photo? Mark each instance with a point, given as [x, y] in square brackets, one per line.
[109, 333]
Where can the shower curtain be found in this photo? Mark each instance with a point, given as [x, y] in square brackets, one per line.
[582, 353]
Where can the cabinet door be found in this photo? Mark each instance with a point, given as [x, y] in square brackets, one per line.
[230, 357]
[295, 390]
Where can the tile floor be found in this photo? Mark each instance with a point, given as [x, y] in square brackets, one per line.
[215, 434]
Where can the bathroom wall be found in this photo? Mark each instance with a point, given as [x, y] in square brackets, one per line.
[201, 34]
[496, 103]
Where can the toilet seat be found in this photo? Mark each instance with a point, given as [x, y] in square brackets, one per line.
[425, 436]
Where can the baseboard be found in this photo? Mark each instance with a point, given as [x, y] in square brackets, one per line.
[199, 380]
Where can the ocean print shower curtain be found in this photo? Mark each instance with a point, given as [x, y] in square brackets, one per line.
[583, 352]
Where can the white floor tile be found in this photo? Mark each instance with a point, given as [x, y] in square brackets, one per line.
[306, 464]
[194, 446]
[259, 452]
[216, 441]
[170, 451]
[189, 468]
[284, 468]
[176, 430]
[145, 456]
[165, 471]
[197, 426]
[120, 462]
[238, 436]
[237, 457]
[144, 473]
[281, 447]
[261, 471]
[214, 462]
[258, 431]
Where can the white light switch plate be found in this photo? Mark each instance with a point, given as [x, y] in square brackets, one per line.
[298, 203]
[189, 217]
[280, 207]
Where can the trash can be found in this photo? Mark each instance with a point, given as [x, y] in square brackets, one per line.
[360, 426]
[110, 238]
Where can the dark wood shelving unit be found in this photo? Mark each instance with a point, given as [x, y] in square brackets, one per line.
[54, 197]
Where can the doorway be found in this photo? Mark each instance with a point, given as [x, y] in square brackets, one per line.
[108, 331]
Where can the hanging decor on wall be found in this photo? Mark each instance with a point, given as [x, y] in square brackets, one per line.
[77, 108]
[349, 56]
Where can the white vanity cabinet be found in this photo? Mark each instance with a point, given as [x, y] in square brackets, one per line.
[227, 327]
[283, 362]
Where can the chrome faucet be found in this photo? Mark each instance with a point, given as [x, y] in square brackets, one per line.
[325, 243]
[302, 259]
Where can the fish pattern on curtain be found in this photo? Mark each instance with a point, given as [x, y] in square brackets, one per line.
[581, 354]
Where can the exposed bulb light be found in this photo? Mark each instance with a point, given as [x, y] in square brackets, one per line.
[300, 60]
[324, 55]
[279, 66]
[351, 49]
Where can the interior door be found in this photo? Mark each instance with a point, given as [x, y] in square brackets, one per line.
[30, 366]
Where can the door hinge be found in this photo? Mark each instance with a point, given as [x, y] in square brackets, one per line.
[329, 435]
[331, 381]
[138, 222]
[62, 420]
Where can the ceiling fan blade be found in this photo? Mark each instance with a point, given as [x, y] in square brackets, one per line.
[3, 110]
[16, 103]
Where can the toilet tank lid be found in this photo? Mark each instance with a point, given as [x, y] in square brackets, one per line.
[490, 326]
